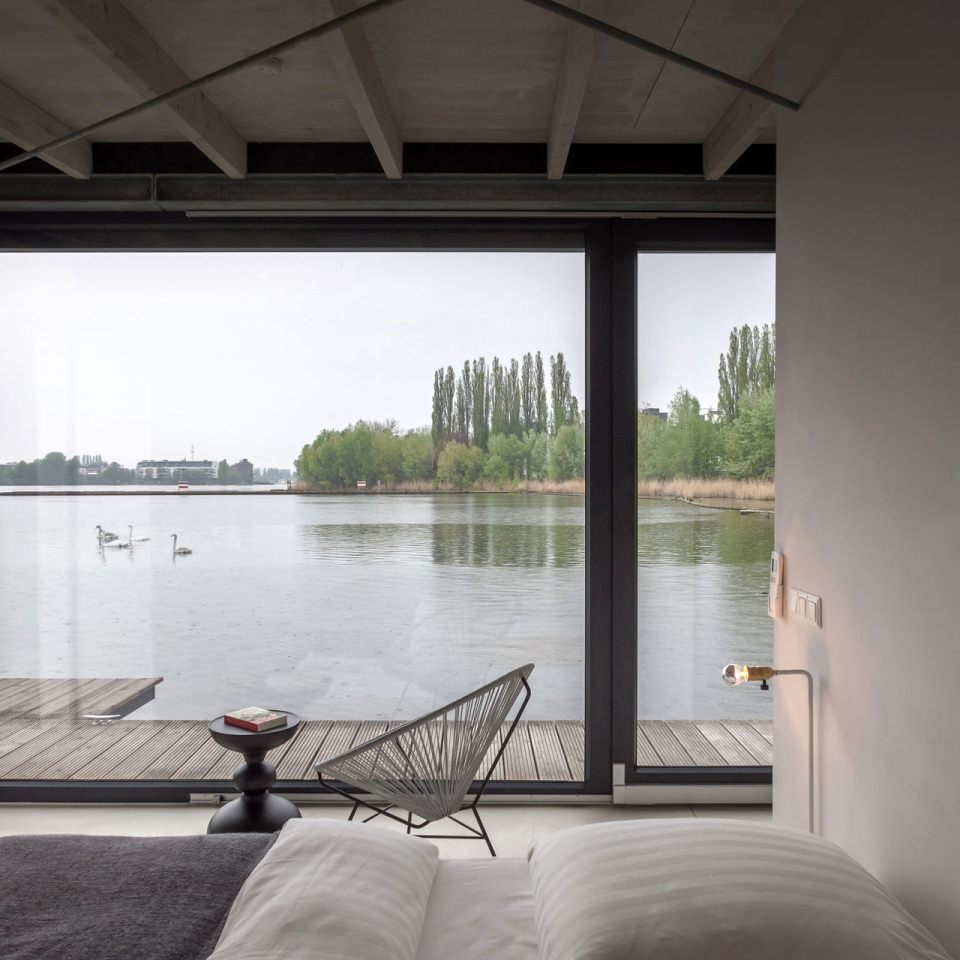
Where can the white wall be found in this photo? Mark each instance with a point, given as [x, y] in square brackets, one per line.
[868, 435]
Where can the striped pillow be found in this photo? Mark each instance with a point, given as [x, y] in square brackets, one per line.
[691, 889]
[332, 890]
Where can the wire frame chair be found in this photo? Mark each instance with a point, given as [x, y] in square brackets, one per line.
[427, 766]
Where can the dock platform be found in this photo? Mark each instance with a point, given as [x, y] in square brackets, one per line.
[49, 749]
[73, 698]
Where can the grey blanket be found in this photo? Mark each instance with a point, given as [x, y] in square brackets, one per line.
[120, 898]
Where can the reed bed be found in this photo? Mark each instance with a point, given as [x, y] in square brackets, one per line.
[707, 488]
[683, 488]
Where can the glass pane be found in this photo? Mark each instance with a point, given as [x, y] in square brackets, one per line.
[705, 430]
[375, 461]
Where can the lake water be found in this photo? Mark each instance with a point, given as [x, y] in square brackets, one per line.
[371, 607]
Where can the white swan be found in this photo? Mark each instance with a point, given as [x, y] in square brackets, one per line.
[179, 551]
[104, 535]
[116, 544]
[131, 538]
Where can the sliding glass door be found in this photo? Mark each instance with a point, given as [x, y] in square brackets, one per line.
[701, 508]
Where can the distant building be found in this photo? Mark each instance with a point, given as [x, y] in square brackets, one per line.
[245, 470]
[655, 412]
[91, 465]
[176, 470]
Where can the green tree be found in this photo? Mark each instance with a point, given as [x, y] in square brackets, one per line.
[567, 458]
[387, 454]
[748, 367]
[26, 474]
[651, 447]
[541, 425]
[750, 439]
[514, 400]
[460, 466]
[417, 455]
[496, 470]
[538, 462]
[565, 408]
[480, 406]
[512, 452]
[693, 443]
[114, 473]
[528, 393]
[357, 454]
[53, 469]
[499, 419]
[437, 423]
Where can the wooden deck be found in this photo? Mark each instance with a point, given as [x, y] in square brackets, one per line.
[58, 748]
[73, 698]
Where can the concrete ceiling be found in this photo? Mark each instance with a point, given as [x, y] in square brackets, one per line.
[453, 71]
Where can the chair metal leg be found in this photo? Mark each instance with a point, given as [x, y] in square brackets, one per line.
[483, 830]
[353, 812]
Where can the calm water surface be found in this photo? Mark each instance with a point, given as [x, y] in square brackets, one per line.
[368, 607]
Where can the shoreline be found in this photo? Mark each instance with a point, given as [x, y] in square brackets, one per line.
[736, 496]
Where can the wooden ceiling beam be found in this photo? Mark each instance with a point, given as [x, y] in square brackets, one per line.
[24, 123]
[579, 49]
[350, 53]
[111, 32]
[741, 124]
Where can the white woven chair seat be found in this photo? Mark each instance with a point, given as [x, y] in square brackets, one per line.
[428, 765]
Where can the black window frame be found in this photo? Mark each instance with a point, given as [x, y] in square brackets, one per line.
[610, 246]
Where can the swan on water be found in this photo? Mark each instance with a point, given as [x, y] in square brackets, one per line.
[105, 535]
[131, 538]
[179, 551]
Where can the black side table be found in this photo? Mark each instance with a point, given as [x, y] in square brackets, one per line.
[256, 810]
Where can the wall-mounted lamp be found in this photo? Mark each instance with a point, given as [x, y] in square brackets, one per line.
[735, 673]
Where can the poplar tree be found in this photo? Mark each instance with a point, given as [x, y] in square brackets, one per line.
[560, 393]
[480, 404]
[514, 400]
[748, 367]
[540, 390]
[437, 419]
[498, 408]
[528, 394]
[449, 391]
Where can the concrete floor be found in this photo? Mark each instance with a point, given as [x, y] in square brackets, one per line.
[512, 827]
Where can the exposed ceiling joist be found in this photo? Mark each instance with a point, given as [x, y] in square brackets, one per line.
[27, 125]
[108, 29]
[740, 126]
[579, 50]
[350, 53]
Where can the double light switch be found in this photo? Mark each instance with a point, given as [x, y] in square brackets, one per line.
[806, 606]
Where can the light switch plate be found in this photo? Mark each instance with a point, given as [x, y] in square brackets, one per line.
[805, 606]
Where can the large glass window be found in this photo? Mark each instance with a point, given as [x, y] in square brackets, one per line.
[705, 465]
[376, 461]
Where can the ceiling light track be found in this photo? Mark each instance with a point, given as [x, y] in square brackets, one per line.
[672, 56]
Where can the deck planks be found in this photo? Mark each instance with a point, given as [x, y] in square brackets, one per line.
[59, 698]
[572, 741]
[182, 750]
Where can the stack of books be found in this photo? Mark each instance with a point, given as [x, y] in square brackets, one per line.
[256, 719]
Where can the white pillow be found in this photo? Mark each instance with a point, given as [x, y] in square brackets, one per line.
[717, 889]
[332, 889]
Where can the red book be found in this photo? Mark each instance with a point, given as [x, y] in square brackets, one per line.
[256, 719]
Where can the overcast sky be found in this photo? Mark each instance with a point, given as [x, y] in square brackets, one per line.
[141, 355]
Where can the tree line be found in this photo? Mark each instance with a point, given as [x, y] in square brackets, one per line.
[56, 469]
[736, 439]
[491, 423]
